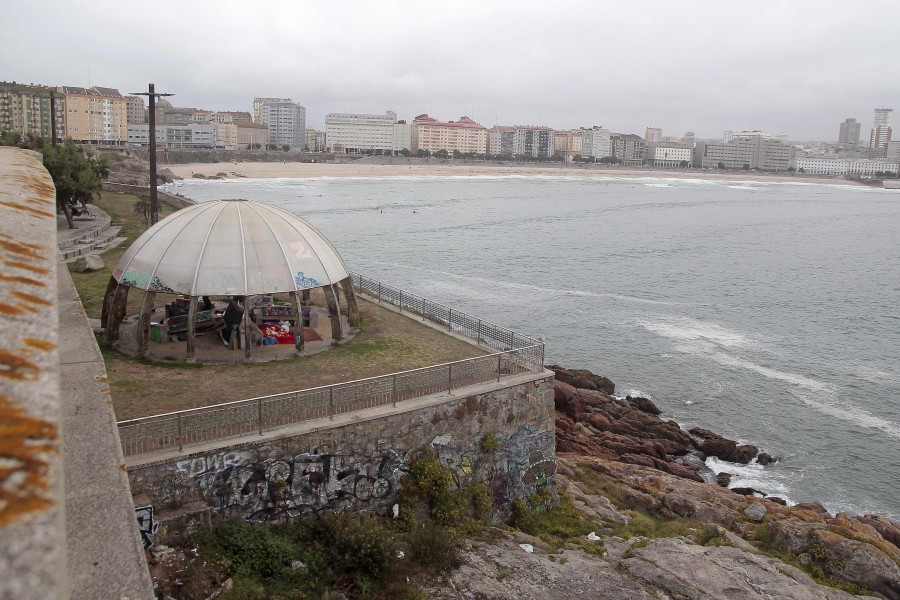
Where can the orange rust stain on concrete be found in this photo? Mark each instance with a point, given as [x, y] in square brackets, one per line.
[26, 244]
[40, 344]
[21, 265]
[22, 207]
[31, 298]
[20, 279]
[17, 368]
[36, 184]
[19, 248]
[10, 310]
[25, 442]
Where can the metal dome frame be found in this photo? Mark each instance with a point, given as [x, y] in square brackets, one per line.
[228, 248]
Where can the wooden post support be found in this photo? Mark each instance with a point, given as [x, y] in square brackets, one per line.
[116, 314]
[352, 305]
[246, 321]
[107, 302]
[298, 328]
[192, 328]
[334, 311]
[143, 332]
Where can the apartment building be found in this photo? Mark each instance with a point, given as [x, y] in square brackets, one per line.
[849, 133]
[241, 135]
[533, 141]
[851, 167]
[568, 143]
[668, 155]
[595, 142]
[26, 109]
[192, 135]
[135, 113]
[258, 102]
[501, 141]
[464, 135]
[204, 116]
[352, 133]
[881, 128]
[628, 148]
[286, 121]
[754, 149]
[652, 135]
[95, 115]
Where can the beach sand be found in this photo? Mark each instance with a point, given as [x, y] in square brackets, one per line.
[294, 170]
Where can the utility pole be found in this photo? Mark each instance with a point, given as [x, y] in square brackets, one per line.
[154, 206]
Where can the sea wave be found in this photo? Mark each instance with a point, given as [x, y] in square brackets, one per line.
[768, 481]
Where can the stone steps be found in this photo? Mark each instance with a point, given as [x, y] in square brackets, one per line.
[93, 242]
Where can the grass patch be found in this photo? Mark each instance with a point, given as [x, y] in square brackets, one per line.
[600, 485]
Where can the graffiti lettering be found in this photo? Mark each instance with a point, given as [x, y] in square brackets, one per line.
[305, 282]
[146, 525]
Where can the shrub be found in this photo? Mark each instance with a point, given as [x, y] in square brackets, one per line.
[490, 443]
[257, 550]
[435, 549]
[364, 546]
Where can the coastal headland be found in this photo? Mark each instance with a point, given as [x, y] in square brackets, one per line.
[364, 168]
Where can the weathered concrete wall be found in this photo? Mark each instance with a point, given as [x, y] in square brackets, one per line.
[32, 502]
[360, 465]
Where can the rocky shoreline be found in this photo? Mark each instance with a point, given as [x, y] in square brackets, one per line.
[658, 468]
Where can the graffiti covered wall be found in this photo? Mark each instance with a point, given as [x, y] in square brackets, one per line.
[361, 466]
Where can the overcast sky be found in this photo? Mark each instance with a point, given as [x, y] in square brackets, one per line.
[798, 67]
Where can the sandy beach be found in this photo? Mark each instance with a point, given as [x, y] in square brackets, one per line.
[262, 170]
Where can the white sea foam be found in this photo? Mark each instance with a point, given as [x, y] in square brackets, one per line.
[701, 334]
[768, 481]
[878, 376]
[822, 397]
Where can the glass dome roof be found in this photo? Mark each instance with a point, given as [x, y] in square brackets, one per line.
[230, 247]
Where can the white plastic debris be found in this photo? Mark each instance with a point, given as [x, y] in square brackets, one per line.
[527, 548]
[593, 536]
[396, 509]
[400, 554]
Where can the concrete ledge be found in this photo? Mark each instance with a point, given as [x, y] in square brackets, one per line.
[32, 517]
[106, 556]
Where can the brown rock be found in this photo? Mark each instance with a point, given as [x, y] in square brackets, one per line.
[643, 405]
[814, 507]
[743, 454]
[888, 529]
[584, 379]
[713, 444]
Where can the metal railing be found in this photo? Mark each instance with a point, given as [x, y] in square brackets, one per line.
[519, 354]
[484, 332]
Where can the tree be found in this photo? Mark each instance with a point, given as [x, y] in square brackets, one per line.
[404, 152]
[746, 167]
[721, 165]
[609, 160]
[76, 175]
[423, 153]
[285, 147]
[442, 153]
[142, 208]
[683, 164]
[256, 146]
[791, 169]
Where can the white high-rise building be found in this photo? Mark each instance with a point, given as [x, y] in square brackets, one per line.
[257, 102]
[286, 121]
[596, 142]
[350, 133]
[881, 128]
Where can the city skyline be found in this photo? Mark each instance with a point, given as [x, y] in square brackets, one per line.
[695, 66]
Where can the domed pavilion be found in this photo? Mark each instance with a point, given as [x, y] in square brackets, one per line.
[250, 252]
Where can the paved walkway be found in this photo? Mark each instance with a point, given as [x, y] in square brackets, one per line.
[105, 551]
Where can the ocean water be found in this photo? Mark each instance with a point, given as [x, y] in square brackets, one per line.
[767, 312]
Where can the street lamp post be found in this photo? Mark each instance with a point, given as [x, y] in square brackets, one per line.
[152, 94]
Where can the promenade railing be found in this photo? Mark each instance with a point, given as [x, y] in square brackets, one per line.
[518, 354]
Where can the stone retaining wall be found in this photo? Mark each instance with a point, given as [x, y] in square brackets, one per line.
[178, 201]
[360, 466]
